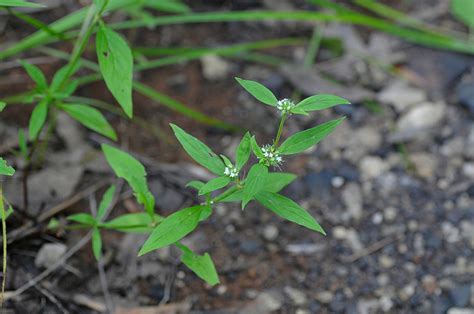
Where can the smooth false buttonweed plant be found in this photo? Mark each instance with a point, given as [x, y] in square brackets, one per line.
[261, 183]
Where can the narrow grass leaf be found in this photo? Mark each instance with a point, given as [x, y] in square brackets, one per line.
[19, 3]
[257, 90]
[90, 118]
[254, 183]
[168, 6]
[116, 65]
[173, 228]
[289, 210]
[199, 151]
[303, 140]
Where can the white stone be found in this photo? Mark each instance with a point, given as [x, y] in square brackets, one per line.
[372, 167]
[49, 253]
[422, 116]
[401, 95]
[214, 67]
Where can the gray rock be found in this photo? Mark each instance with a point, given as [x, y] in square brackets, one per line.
[49, 254]
[401, 95]
[266, 302]
[425, 165]
[324, 297]
[352, 198]
[270, 232]
[305, 248]
[468, 170]
[214, 67]
[457, 310]
[418, 121]
[461, 295]
[372, 167]
[297, 296]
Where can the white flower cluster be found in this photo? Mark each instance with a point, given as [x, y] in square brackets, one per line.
[231, 172]
[285, 105]
[271, 157]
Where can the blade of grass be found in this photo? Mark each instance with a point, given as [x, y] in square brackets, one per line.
[36, 23]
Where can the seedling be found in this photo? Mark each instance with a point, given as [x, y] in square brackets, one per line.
[262, 183]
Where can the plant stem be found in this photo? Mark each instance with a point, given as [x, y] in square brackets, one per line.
[280, 129]
[80, 46]
[4, 240]
[227, 193]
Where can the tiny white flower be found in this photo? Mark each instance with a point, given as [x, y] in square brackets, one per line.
[285, 105]
[231, 172]
[271, 157]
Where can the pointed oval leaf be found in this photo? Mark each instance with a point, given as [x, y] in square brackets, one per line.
[258, 91]
[132, 223]
[254, 183]
[303, 140]
[96, 243]
[289, 210]
[90, 118]
[463, 10]
[173, 228]
[36, 75]
[214, 184]
[242, 154]
[2, 105]
[105, 202]
[127, 167]
[199, 151]
[5, 169]
[116, 65]
[82, 218]
[201, 265]
[255, 148]
[319, 102]
[37, 119]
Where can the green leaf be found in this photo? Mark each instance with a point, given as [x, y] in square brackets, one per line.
[59, 76]
[173, 228]
[206, 212]
[227, 161]
[242, 154]
[258, 91]
[5, 169]
[201, 265]
[90, 118]
[105, 202]
[38, 119]
[197, 185]
[214, 184]
[199, 151]
[254, 183]
[274, 182]
[19, 3]
[96, 243]
[255, 148]
[2, 105]
[116, 65]
[132, 223]
[169, 6]
[463, 10]
[130, 169]
[83, 218]
[319, 102]
[36, 75]
[303, 140]
[289, 210]
[9, 211]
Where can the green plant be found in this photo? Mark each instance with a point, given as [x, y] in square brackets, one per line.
[259, 184]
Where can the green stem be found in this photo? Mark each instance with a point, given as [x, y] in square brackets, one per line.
[280, 130]
[227, 193]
